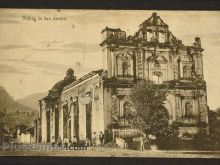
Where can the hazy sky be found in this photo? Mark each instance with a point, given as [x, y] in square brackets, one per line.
[34, 55]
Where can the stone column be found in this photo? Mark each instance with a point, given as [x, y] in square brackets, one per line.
[61, 122]
[93, 119]
[82, 121]
[43, 126]
[72, 120]
[52, 125]
[100, 110]
[94, 116]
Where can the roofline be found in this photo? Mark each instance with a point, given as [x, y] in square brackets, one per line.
[72, 85]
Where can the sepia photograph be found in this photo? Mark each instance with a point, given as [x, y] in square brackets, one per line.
[109, 83]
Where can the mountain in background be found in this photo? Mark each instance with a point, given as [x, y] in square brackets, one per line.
[32, 100]
[8, 103]
[15, 113]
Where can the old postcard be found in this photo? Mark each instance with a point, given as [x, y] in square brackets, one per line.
[109, 83]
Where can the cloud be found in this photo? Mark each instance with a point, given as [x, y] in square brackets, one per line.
[79, 46]
[10, 69]
[47, 65]
[46, 49]
[50, 42]
[37, 64]
[14, 46]
[215, 42]
[46, 68]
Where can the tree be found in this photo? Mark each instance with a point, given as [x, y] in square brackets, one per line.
[218, 111]
[212, 116]
[151, 115]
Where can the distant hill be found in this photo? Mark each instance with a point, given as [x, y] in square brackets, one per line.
[15, 113]
[32, 100]
[8, 104]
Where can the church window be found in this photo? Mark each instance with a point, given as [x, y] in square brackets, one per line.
[162, 38]
[153, 37]
[149, 36]
[188, 109]
[140, 35]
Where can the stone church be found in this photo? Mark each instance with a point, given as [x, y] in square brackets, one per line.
[79, 107]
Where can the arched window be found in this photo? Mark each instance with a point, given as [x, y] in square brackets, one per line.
[162, 38]
[186, 72]
[157, 77]
[188, 109]
[153, 37]
[140, 35]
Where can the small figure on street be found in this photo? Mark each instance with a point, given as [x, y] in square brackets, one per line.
[94, 139]
[97, 140]
[53, 142]
[88, 142]
[66, 142]
[101, 138]
[59, 142]
[142, 142]
[74, 141]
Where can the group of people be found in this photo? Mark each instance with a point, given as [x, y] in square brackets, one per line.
[97, 140]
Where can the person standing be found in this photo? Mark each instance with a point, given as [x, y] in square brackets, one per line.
[101, 138]
[74, 141]
[97, 141]
[142, 142]
[59, 142]
[94, 139]
[88, 142]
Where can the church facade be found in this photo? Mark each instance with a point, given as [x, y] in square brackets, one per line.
[79, 107]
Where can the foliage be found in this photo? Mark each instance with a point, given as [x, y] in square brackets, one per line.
[151, 116]
[212, 116]
[218, 111]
